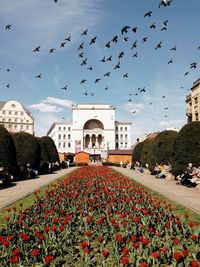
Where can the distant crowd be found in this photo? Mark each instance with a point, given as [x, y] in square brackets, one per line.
[190, 177]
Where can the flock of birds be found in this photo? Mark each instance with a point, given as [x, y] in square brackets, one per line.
[125, 35]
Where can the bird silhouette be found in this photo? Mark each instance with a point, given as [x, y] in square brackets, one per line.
[103, 59]
[51, 50]
[134, 30]
[173, 48]
[166, 108]
[193, 65]
[80, 46]
[121, 54]
[62, 44]
[144, 39]
[186, 73]
[125, 29]
[109, 58]
[39, 76]
[143, 90]
[165, 3]
[129, 100]
[65, 87]
[108, 44]
[97, 80]
[83, 81]
[135, 55]
[117, 66]
[84, 62]
[153, 26]
[114, 39]
[91, 93]
[68, 39]
[8, 27]
[84, 32]
[107, 74]
[158, 45]
[125, 75]
[106, 88]
[37, 49]
[134, 111]
[165, 22]
[134, 45]
[148, 14]
[164, 28]
[93, 40]
[86, 93]
[8, 85]
[81, 54]
[163, 96]
[125, 39]
[90, 68]
[170, 61]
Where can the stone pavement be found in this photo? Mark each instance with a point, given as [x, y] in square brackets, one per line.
[20, 189]
[188, 197]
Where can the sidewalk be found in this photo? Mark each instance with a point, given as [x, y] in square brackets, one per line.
[188, 197]
[20, 189]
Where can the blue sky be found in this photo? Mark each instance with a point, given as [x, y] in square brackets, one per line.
[47, 24]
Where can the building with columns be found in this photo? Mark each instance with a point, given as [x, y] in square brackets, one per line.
[15, 117]
[93, 129]
[193, 103]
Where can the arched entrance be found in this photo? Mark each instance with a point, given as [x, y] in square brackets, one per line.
[93, 138]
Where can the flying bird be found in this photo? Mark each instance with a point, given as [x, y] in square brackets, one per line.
[108, 44]
[125, 29]
[148, 14]
[121, 54]
[114, 39]
[62, 44]
[65, 87]
[83, 81]
[170, 61]
[193, 65]
[90, 68]
[134, 45]
[38, 76]
[164, 28]
[80, 46]
[103, 59]
[109, 58]
[8, 27]
[125, 75]
[186, 73]
[106, 88]
[158, 45]
[8, 85]
[165, 22]
[84, 32]
[134, 29]
[81, 54]
[173, 48]
[86, 93]
[144, 39]
[37, 49]
[68, 38]
[117, 66]
[93, 40]
[84, 62]
[165, 3]
[97, 80]
[125, 39]
[51, 50]
[135, 55]
[107, 74]
[153, 26]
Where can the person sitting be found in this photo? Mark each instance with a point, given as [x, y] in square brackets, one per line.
[161, 173]
[186, 177]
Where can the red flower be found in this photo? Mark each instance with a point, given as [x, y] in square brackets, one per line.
[176, 241]
[194, 263]
[125, 260]
[194, 237]
[143, 264]
[125, 251]
[16, 252]
[178, 256]
[185, 252]
[105, 253]
[61, 227]
[53, 228]
[87, 251]
[119, 237]
[164, 249]
[88, 233]
[84, 244]
[14, 259]
[7, 218]
[155, 254]
[186, 216]
[48, 259]
[35, 252]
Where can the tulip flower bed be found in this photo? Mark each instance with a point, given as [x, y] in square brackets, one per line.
[98, 217]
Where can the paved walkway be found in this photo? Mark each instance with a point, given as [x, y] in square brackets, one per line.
[188, 197]
[20, 189]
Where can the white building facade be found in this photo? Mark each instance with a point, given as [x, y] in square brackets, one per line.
[93, 129]
[15, 117]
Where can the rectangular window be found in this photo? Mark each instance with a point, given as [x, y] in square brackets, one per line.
[10, 112]
[69, 136]
[64, 128]
[196, 116]
[116, 128]
[15, 112]
[3, 112]
[64, 136]
[125, 128]
[59, 136]
[121, 136]
[196, 100]
[116, 136]
[69, 129]
[69, 144]
[27, 127]
[59, 144]
[59, 128]
[121, 128]
[63, 144]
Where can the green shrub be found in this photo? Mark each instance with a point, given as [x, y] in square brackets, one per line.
[51, 149]
[137, 151]
[8, 152]
[27, 150]
[162, 148]
[147, 146]
[186, 147]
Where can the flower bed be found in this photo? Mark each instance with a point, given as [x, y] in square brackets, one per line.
[97, 217]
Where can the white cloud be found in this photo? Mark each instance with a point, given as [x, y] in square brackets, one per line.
[134, 107]
[59, 102]
[172, 123]
[46, 108]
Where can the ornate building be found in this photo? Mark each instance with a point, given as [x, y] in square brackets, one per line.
[93, 129]
[193, 103]
[15, 117]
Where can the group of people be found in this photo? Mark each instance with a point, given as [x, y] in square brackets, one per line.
[190, 177]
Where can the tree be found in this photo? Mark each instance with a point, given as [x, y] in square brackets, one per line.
[186, 147]
[44, 161]
[27, 150]
[51, 149]
[137, 151]
[147, 146]
[162, 148]
[8, 152]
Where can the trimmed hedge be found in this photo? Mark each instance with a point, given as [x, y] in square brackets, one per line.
[186, 147]
[27, 150]
[162, 148]
[137, 152]
[146, 149]
[8, 152]
[51, 149]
